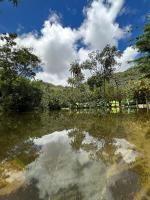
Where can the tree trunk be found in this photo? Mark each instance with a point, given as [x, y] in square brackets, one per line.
[137, 104]
[120, 105]
[147, 104]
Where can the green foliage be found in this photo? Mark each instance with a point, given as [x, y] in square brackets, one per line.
[17, 67]
[143, 45]
[16, 61]
[102, 65]
[139, 90]
[21, 95]
[77, 75]
[53, 97]
[95, 81]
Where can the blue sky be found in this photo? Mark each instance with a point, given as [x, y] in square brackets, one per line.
[30, 14]
[29, 17]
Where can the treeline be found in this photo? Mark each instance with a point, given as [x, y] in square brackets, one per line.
[19, 91]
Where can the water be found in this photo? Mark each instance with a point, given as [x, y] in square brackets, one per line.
[75, 156]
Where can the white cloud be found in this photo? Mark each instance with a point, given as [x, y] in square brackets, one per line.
[129, 54]
[83, 54]
[99, 27]
[56, 45]
[52, 78]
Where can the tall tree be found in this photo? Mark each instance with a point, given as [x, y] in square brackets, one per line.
[16, 62]
[17, 67]
[77, 75]
[102, 65]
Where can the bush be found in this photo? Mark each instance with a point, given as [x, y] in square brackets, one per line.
[20, 95]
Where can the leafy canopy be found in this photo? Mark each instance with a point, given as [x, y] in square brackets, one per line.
[143, 45]
[102, 65]
[14, 61]
[77, 75]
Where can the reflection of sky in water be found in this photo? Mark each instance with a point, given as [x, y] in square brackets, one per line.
[58, 167]
[126, 150]
[91, 140]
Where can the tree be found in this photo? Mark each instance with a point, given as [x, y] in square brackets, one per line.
[16, 61]
[139, 91]
[17, 67]
[20, 95]
[143, 45]
[119, 88]
[102, 65]
[77, 75]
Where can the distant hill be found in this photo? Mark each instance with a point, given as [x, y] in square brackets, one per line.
[132, 73]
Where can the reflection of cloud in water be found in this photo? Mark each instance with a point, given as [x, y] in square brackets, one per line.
[91, 140]
[59, 167]
[56, 136]
[126, 150]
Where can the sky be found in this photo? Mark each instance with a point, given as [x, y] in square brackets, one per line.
[61, 31]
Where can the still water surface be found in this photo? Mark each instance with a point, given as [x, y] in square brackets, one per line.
[75, 156]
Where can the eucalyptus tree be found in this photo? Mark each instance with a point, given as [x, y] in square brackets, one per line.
[102, 66]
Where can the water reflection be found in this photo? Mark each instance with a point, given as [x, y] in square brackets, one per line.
[60, 172]
[75, 156]
[59, 168]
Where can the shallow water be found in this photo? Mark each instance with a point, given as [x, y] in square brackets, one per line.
[75, 156]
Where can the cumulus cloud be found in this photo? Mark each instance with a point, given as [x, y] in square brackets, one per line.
[60, 168]
[56, 45]
[99, 27]
[128, 55]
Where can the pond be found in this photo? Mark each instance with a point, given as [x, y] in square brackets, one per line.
[75, 156]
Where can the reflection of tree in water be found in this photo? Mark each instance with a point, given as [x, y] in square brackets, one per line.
[26, 152]
[63, 173]
[31, 192]
[77, 138]
[98, 148]
[14, 130]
